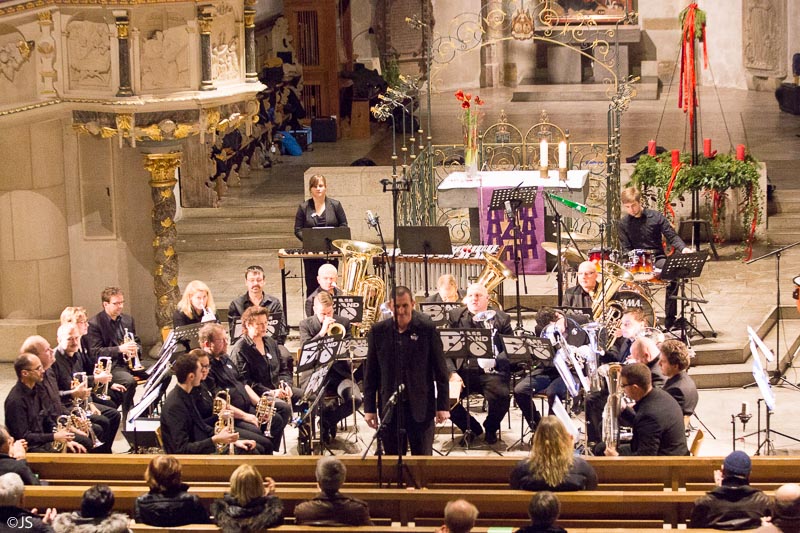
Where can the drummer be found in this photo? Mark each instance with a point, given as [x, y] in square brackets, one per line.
[643, 228]
[581, 294]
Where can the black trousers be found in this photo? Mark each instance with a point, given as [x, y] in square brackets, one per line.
[495, 387]
[416, 435]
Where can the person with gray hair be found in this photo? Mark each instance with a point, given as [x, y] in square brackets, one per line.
[330, 507]
[543, 511]
[12, 515]
[459, 517]
[785, 511]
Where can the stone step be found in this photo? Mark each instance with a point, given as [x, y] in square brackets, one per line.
[786, 201]
[731, 375]
[783, 237]
[279, 208]
[785, 221]
[646, 89]
[203, 242]
[263, 226]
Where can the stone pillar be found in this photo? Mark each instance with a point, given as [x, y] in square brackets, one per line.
[493, 21]
[161, 167]
[122, 22]
[251, 71]
[204, 19]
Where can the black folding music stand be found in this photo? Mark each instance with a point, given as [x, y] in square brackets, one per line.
[437, 311]
[513, 199]
[680, 268]
[320, 239]
[532, 352]
[472, 344]
[424, 241]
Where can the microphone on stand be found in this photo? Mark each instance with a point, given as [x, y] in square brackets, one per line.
[394, 397]
[372, 219]
[509, 211]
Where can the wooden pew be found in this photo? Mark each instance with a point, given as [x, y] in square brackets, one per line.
[136, 528]
[497, 507]
[614, 473]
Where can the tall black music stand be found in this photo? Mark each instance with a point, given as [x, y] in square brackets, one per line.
[471, 345]
[320, 239]
[532, 352]
[510, 200]
[680, 268]
[424, 241]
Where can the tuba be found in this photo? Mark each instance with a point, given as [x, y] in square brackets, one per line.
[613, 404]
[265, 409]
[494, 273]
[356, 256]
[605, 309]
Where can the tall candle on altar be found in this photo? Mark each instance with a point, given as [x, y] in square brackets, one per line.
[543, 156]
[651, 147]
[562, 154]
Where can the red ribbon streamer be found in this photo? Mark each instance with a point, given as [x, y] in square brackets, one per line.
[687, 92]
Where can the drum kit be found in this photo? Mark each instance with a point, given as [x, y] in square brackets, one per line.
[640, 263]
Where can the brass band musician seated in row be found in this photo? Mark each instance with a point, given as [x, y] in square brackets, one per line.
[327, 276]
[339, 382]
[447, 290]
[195, 306]
[582, 294]
[490, 376]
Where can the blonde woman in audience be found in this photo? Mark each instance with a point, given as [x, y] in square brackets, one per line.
[552, 464]
[196, 303]
[251, 504]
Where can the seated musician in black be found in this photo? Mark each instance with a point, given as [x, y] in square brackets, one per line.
[446, 290]
[674, 360]
[205, 395]
[195, 306]
[545, 377]
[67, 363]
[581, 295]
[106, 338]
[223, 374]
[326, 277]
[183, 430]
[256, 297]
[491, 376]
[259, 363]
[339, 382]
[29, 417]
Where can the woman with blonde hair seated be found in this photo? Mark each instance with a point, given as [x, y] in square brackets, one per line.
[552, 464]
[168, 504]
[196, 305]
[251, 504]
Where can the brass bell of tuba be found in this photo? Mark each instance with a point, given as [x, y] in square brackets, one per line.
[605, 309]
[494, 273]
[356, 256]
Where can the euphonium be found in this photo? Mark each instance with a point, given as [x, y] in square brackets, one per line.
[224, 421]
[605, 309]
[221, 401]
[591, 330]
[265, 409]
[494, 273]
[62, 423]
[356, 256]
[132, 358]
[103, 364]
[613, 405]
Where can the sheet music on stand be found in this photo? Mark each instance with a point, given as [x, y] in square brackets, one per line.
[161, 368]
[684, 266]
[320, 239]
[561, 413]
[761, 377]
[437, 311]
[518, 197]
[466, 343]
[527, 349]
[189, 334]
[319, 352]
[139, 409]
[350, 307]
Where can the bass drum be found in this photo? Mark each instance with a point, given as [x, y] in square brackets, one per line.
[633, 298]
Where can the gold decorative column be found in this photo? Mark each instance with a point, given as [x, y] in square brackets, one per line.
[165, 273]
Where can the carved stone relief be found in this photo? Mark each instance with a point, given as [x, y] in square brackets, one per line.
[225, 45]
[164, 52]
[764, 37]
[17, 81]
[46, 52]
[88, 54]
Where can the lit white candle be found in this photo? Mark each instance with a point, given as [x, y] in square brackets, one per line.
[562, 154]
[543, 153]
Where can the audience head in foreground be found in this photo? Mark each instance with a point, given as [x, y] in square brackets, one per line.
[733, 504]
[330, 507]
[12, 513]
[168, 504]
[785, 511]
[250, 504]
[95, 514]
[459, 517]
[543, 511]
[552, 464]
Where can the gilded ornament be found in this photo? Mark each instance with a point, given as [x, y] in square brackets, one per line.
[158, 270]
[156, 242]
[169, 252]
[173, 282]
[45, 17]
[166, 193]
[163, 300]
[166, 223]
[249, 19]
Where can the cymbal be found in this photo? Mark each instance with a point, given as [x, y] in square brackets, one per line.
[570, 253]
[577, 236]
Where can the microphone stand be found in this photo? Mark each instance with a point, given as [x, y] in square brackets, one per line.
[388, 410]
[559, 270]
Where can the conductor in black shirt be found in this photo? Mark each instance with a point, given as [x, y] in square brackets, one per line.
[643, 228]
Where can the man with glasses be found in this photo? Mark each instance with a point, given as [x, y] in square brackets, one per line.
[222, 374]
[255, 296]
[28, 417]
[658, 419]
[580, 296]
[107, 338]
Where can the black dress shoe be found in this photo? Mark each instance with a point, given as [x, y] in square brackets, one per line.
[491, 437]
[325, 432]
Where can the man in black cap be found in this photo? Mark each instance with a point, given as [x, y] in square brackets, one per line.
[733, 504]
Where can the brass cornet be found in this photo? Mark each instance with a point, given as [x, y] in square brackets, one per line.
[78, 379]
[221, 401]
[334, 330]
[62, 423]
[225, 421]
[102, 365]
[131, 358]
[265, 409]
[79, 419]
